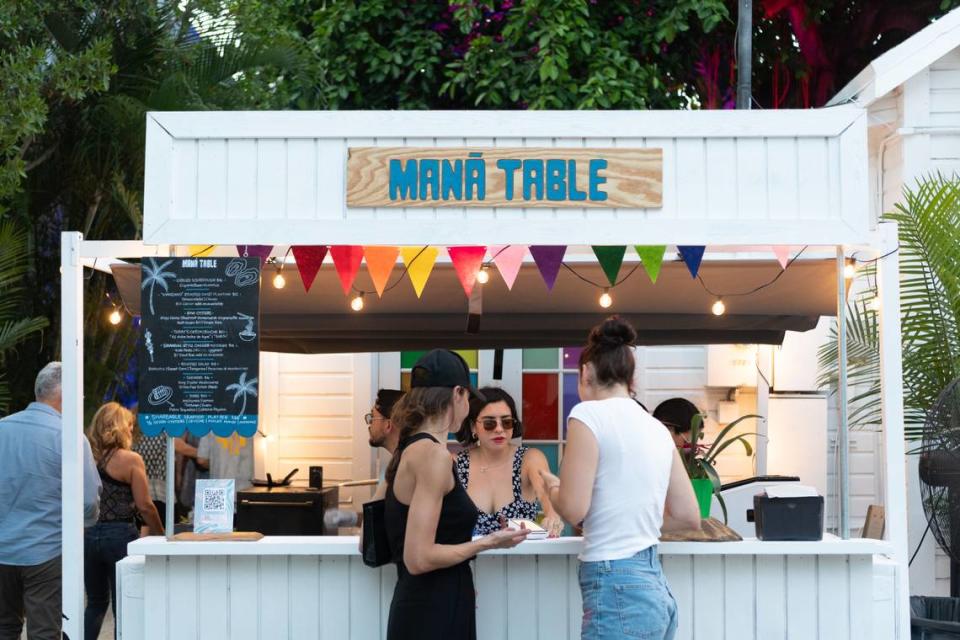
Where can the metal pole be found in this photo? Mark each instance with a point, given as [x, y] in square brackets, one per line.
[843, 478]
[71, 340]
[171, 495]
[744, 53]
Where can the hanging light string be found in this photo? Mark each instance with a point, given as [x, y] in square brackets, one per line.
[403, 274]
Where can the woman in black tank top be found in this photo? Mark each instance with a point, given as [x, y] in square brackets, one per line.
[124, 497]
[429, 516]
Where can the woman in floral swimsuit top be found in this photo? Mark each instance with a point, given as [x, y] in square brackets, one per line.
[502, 479]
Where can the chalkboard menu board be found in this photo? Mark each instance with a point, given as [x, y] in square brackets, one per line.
[199, 352]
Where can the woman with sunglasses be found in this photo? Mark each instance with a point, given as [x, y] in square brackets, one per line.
[502, 479]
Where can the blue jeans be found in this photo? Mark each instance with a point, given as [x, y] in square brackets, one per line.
[627, 598]
[104, 544]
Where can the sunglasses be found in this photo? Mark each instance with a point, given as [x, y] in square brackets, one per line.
[369, 418]
[489, 424]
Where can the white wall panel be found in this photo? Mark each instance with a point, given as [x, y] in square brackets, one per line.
[720, 169]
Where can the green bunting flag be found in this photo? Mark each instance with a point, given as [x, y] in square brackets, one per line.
[652, 259]
[610, 259]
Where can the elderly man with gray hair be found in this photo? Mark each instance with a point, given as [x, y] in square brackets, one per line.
[30, 508]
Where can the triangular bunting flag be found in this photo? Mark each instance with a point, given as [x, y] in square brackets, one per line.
[261, 251]
[309, 258]
[508, 260]
[201, 250]
[548, 258]
[347, 259]
[610, 260]
[419, 264]
[783, 254]
[467, 261]
[380, 262]
[692, 257]
[651, 257]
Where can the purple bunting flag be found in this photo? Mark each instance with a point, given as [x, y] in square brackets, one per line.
[261, 251]
[548, 259]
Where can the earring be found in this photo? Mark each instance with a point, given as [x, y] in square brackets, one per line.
[473, 436]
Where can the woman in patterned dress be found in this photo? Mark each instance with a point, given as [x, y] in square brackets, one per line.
[503, 479]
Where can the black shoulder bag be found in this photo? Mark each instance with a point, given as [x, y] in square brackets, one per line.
[376, 551]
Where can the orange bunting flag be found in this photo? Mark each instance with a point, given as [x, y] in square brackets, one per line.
[347, 259]
[508, 259]
[419, 261]
[467, 262]
[380, 263]
[783, 254]
[308, 259]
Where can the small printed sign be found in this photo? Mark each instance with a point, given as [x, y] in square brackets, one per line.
[199, 353]
[213, 506]
[504, 177]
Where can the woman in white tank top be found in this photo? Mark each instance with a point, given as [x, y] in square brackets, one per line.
[623, 478]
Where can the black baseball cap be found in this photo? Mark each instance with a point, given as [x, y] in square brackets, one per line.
[442, 368]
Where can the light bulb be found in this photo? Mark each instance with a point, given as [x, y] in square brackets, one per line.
[483, 276]
[605, 299]
[849, 270]
[115, 317]
[279, 282]
[874, 305]
[357, 303]
[718, 308]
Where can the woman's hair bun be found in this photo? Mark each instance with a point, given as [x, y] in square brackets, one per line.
[612, 333]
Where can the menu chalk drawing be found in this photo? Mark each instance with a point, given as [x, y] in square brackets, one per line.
[199, 356]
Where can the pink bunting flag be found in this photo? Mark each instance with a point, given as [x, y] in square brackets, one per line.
[347, 259]
[261, 251]
[308, 259]
[508, 259]
[467, 261]
[548, 258]
[783, 254]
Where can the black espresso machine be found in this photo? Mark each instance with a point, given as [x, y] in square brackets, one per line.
[285, 510]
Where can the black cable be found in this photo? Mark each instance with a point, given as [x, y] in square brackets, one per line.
[406, 268]
[878, 258]
[933, 510]
[755, 289]
[204, 250]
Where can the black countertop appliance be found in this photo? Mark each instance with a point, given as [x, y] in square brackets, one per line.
[286, 511]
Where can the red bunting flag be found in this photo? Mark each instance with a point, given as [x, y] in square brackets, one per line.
[467, 262]
[308, 259]
[380, 262]
[347, 259]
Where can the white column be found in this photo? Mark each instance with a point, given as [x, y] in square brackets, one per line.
[71, 340]
[891, 390]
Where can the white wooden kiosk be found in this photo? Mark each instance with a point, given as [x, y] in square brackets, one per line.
[730, 179]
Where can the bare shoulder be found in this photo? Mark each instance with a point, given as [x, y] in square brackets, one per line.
[430, 463]
[534, 458]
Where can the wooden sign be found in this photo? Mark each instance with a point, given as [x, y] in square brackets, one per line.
[504, 177]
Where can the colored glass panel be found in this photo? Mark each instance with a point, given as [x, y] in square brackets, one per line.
[405, 381]
[571, 357]
[540, 358]
[474, 379]
[409, 358]
[570, 397]
[552, 454]
[540, 406]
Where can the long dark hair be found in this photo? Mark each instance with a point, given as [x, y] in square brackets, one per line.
[492, 394]
[610, 350]
[416, 407]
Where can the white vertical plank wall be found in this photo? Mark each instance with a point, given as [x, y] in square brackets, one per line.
[335, 597]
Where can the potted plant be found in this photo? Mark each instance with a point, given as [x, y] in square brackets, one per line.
[699, 459]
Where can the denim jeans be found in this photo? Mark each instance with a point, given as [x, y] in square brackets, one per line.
[627, 598]
[104, 544]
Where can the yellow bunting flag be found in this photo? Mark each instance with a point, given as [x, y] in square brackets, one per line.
[201, 250]
[380, 262]
[419, 263]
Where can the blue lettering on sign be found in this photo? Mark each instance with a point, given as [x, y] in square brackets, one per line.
[403, 181]
[596, 180]
[554, 179]
[508, 166]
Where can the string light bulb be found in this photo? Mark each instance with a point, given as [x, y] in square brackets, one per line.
[115, 317]
[357, 303]
[718, 307]
[279, 282]
[605, 299]
[849, 269]
[483, 276]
